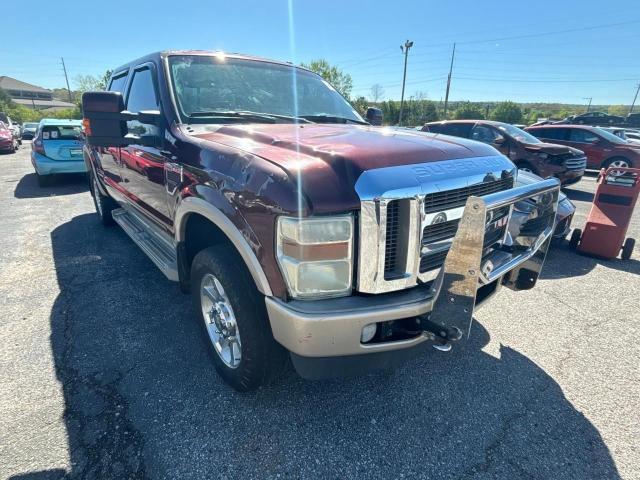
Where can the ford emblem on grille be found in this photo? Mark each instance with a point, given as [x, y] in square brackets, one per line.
[439, 218]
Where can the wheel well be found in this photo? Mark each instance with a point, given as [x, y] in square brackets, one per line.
[199, 233]
[523, 163]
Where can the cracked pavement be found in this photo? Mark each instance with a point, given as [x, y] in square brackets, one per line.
[105, 374]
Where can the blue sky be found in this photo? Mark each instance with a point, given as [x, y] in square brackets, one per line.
[550, 51]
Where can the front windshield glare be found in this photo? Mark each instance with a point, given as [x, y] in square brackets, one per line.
[519, 134]
[204, 85]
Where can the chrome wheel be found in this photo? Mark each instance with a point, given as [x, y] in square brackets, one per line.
[220, 321]
[619, 163]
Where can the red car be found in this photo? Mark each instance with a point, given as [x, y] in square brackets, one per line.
[8, 142]
[526, 151]
[603, 149]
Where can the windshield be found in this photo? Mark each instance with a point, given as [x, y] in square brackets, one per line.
[30, 125]
[518, 134]
[611, 137]
[204, 85]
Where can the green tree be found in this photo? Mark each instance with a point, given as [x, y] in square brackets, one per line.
[88, 83]
[620, 110]
[508, 112]
[340, 80]
[469, 111]
[360, 104]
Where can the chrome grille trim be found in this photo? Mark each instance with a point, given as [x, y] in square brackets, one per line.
[410, 184]
[577, 163]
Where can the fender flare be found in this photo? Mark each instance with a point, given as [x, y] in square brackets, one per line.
[190, 205]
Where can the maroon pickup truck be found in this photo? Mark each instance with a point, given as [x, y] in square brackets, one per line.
[299, 228]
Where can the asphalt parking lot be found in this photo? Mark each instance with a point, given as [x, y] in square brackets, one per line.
[104, 374]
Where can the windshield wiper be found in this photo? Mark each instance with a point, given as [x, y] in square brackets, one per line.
[332, 119]
[248, 115]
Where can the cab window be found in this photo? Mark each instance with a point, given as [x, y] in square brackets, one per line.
[142, 96]
[455, 129]
[582, 136]
[483, 133]
[117, 83]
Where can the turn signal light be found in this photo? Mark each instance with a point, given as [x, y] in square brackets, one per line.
[86, 124]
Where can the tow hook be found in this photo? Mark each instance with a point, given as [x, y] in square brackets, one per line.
[442, 336]
[456, 285]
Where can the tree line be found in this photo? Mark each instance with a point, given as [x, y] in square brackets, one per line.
[417, 108]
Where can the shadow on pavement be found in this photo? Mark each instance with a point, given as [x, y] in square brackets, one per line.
[578, 195]
[557, 267]
[68, 184]
[143, 400]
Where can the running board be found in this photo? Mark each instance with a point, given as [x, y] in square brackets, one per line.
[150, 239]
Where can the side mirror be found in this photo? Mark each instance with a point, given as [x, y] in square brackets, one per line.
[105, 121]
[499, 140]
[374, 116]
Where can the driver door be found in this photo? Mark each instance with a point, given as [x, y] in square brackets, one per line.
[143, 166]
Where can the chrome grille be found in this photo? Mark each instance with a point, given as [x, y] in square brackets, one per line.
[440, 201]
[398, 205]
[391, 247]
[576, 163]
[439, 231]
[447, 230]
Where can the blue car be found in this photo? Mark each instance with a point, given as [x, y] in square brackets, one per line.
[57, 148]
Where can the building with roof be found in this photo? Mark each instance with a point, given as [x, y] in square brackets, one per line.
[32, 96]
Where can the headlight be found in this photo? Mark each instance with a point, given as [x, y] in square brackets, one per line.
[315, 255]
[542, 155]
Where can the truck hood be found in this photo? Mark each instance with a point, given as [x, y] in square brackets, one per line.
[552, 148]
[329, 159]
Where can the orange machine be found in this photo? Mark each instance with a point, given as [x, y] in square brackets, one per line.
[610, 215]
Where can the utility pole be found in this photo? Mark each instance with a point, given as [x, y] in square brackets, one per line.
[67, 79]
[405, 49]
[633, 104]
[589, 105]
[446, 96]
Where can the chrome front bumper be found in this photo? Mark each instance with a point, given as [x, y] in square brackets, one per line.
[333, 327]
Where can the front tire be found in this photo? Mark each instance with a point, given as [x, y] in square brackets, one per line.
[233, 319]
[620, 162]
[574, 241]
[104, 205]
[627, 248]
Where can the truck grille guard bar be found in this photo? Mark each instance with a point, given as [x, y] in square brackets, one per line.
[520, 261]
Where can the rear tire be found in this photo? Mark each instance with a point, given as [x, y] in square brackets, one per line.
[574, 241]
[258, 358]
[104, 205]
[627, 248]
